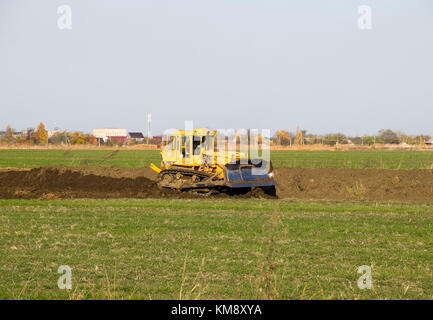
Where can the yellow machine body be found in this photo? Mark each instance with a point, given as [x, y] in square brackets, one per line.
[191, 160]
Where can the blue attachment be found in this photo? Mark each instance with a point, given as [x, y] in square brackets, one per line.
[245, 176]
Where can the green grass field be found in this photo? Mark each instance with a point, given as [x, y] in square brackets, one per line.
[215, 249]
[37, 158]
[389, 159]
[203, 249]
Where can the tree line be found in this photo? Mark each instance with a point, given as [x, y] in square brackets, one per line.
[281, 137]
[384, 136]
[40, 136]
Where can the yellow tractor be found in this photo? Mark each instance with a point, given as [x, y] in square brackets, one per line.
[195, 160]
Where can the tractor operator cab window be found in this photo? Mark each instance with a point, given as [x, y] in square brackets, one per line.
[209, 143]
[185, 146]
[170, 143]
[199, 143]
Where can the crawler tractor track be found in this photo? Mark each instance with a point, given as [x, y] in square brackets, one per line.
[188, 179]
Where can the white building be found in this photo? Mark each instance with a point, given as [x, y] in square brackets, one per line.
[52, 133]
[109, 132]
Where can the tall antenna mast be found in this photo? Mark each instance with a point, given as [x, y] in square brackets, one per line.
[149, 125]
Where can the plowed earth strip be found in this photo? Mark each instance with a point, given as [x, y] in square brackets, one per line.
[300, 183]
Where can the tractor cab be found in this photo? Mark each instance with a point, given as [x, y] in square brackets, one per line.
[187, 147]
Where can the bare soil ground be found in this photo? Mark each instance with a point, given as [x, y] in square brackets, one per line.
[59, 182]
[355, 184]
[79, 182]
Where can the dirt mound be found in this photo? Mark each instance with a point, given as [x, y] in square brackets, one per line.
[113, 172]
[355, 184]
[72, 183]
[60, 182]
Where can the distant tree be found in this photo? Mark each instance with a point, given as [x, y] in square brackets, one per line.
[370, 140]
[367, 140]
[420, 139]
[112, 143]
[86, 138]
[78, 137]
[41, 134]
[299, 137]
[334, 138]
[109, 142]
[314, 138]
[341, 138]
[329, 139]
[282, 137]
[356, 140]
[59, 138]
[30, 136]
[9, 136]
[389, 136]
[403, 138]
[131, 142]
[91, 139]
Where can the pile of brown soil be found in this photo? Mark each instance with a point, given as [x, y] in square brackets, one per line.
[355, 184]
[113, 172]
[60, 182]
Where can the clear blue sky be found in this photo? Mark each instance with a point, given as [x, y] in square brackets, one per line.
[222, 63]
